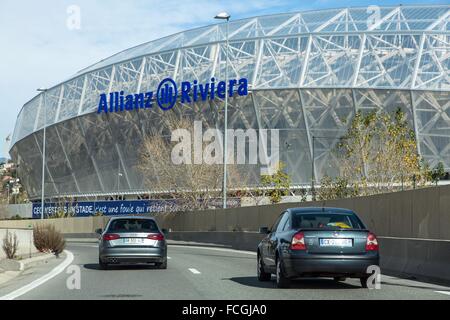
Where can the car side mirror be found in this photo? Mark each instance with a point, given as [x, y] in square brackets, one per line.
[165, 231]
[99, 231]
[264, 230]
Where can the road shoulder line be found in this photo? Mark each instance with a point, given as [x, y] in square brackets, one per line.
[36, 283]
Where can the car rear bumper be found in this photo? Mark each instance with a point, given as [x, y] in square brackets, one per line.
[133, 255]
[331, 266]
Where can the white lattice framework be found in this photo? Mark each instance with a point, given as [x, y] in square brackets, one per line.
[309, 73]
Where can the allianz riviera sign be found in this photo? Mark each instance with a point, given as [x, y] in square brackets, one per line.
[168, 94]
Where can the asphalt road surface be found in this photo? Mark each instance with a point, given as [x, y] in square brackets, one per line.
[193, 273]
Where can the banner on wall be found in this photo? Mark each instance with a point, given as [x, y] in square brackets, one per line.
[111, 208]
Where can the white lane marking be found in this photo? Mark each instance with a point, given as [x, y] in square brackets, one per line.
[444, 292]
[169, 258]
[194, 271]
[36, 283]
[418, 239]
[212, 248]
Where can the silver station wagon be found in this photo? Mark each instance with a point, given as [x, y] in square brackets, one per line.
[132, 240]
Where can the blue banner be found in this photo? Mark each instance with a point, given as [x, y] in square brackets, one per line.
[107, 208]
[111, 208]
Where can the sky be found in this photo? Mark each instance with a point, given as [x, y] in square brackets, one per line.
[38, 49]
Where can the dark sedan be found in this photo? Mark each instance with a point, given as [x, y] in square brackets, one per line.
[317, 242]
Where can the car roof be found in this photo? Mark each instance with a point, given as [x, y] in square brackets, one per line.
[132, 217]
[315, 210]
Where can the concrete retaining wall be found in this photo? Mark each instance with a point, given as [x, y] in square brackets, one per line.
[11, 210]
[25, 238]
[421, 213]
[422, 259]
[237, 240]
[63, 225]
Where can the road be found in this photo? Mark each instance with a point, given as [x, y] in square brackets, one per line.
[199, 273]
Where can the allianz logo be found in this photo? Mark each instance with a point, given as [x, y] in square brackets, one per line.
[168, 94]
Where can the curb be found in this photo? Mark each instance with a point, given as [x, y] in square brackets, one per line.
[82, 240]
[20, 265]
[36, 283]
[196, 244]
[30, 261]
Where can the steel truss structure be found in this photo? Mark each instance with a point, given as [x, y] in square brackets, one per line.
[309, 72]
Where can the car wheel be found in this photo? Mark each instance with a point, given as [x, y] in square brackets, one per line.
[339, 279]
[162, 265]
[262, 275]
[102, 265]
[282, 281]
[363, 281]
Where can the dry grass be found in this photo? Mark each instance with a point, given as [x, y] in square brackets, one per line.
[48, 239]
[194, 186]
[10, 244]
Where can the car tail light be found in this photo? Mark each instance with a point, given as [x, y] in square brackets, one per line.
[298, 242]
[157, 236]
[372, 242]
[110, 236]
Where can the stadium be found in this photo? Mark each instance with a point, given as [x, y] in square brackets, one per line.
[308, 74]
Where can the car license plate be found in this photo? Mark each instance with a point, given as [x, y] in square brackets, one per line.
[336, 242]
[133, 240]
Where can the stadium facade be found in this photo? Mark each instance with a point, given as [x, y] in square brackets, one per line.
[308, 73]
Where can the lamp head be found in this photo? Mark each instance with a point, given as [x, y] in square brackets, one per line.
[222, 16]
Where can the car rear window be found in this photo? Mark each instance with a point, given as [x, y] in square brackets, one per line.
[326, 221]
[133, 225]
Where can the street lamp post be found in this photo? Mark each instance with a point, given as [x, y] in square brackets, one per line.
[118, 185]
[16, 181]
[225, 16]
[119, 174]
[44, 91]
[313, 170]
